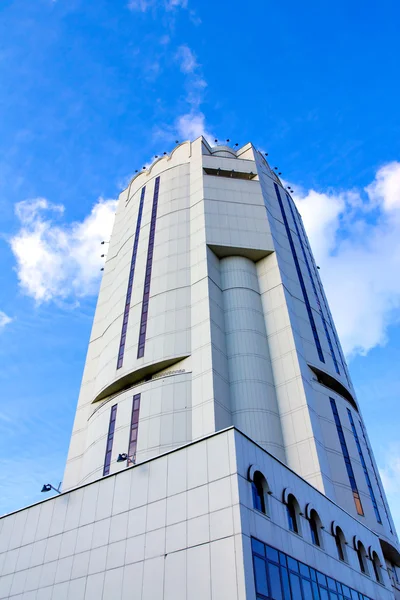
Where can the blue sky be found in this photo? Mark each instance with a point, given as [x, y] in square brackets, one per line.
[91, 91]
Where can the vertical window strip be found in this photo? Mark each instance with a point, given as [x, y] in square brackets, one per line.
[328, 337]
[130, 282]
[300, 276]
[324, 300]
[147, 279]
[133, 433]
[346, 456]
[110, 440]
[364, 466]
[376, 477]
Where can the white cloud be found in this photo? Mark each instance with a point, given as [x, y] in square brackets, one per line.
[4, 319]
[144, 5]
[186, 59]
[59, 261]
[140, 5]
[355, 236]
[192, 125]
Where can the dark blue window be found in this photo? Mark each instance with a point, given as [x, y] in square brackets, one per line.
[147, 279]
[376, 477]
[323, 297]
[328, 337]
[133, 434]
[296, 581]
[130, 282]
[300, 276]
[346, 457]
[364, 466]
[110, 440]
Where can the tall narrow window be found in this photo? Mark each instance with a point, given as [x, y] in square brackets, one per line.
[300, 276]
[133, 435]
[376, 477]
[376, 563]
[258, 486]
[292, 514]
[317, 277]
[340, 544]
[314, 528]
[364, 466]
[147, 279]
[362, 558]
[346, 457]
[110, 439]
[310, 275]
[130, 282]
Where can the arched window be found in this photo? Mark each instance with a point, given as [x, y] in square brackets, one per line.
[292, 508]
[376, 563]
[340, 542]
[259, 489]
[362, 558]
[315, 528]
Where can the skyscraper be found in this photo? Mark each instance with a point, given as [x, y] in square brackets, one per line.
[218, 449]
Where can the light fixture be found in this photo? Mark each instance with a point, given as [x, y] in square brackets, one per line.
[176, 141]
[266, 153]
[215, 141]
[279, 173]
[125, 457]
[276, 168]
[318, 267]
[136, 171]
[236, 144]
[103, 242]
[228, 140]
[102, 255]
[164, 153]
[156, 156]
[144, 167]
[102, 269]
[47, 487]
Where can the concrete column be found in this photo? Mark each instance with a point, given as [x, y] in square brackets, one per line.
[252, 390]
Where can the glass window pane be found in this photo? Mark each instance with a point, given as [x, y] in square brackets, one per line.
[292, 564]
[275, 582]
[285, 584]
[321, 578]
[308, 595]
[346, 591]
[282, 558]
[304, 570]
[260, 576]
[333, 596]
[315, 590]
[296, 588]
[272, 554]
[323, 594]
[331, 584]
[257, 546]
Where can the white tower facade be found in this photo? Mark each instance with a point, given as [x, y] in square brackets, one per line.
[217, 440]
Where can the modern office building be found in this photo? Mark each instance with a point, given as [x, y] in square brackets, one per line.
[218, 450]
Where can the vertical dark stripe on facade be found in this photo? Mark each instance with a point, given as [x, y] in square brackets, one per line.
[364, 466]
[346, 456]
[300, 276]
[133, 432]
[343, 362]
[147, 278]
[376, 477]
[328, 337]
[110, 439]
[130, 282]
